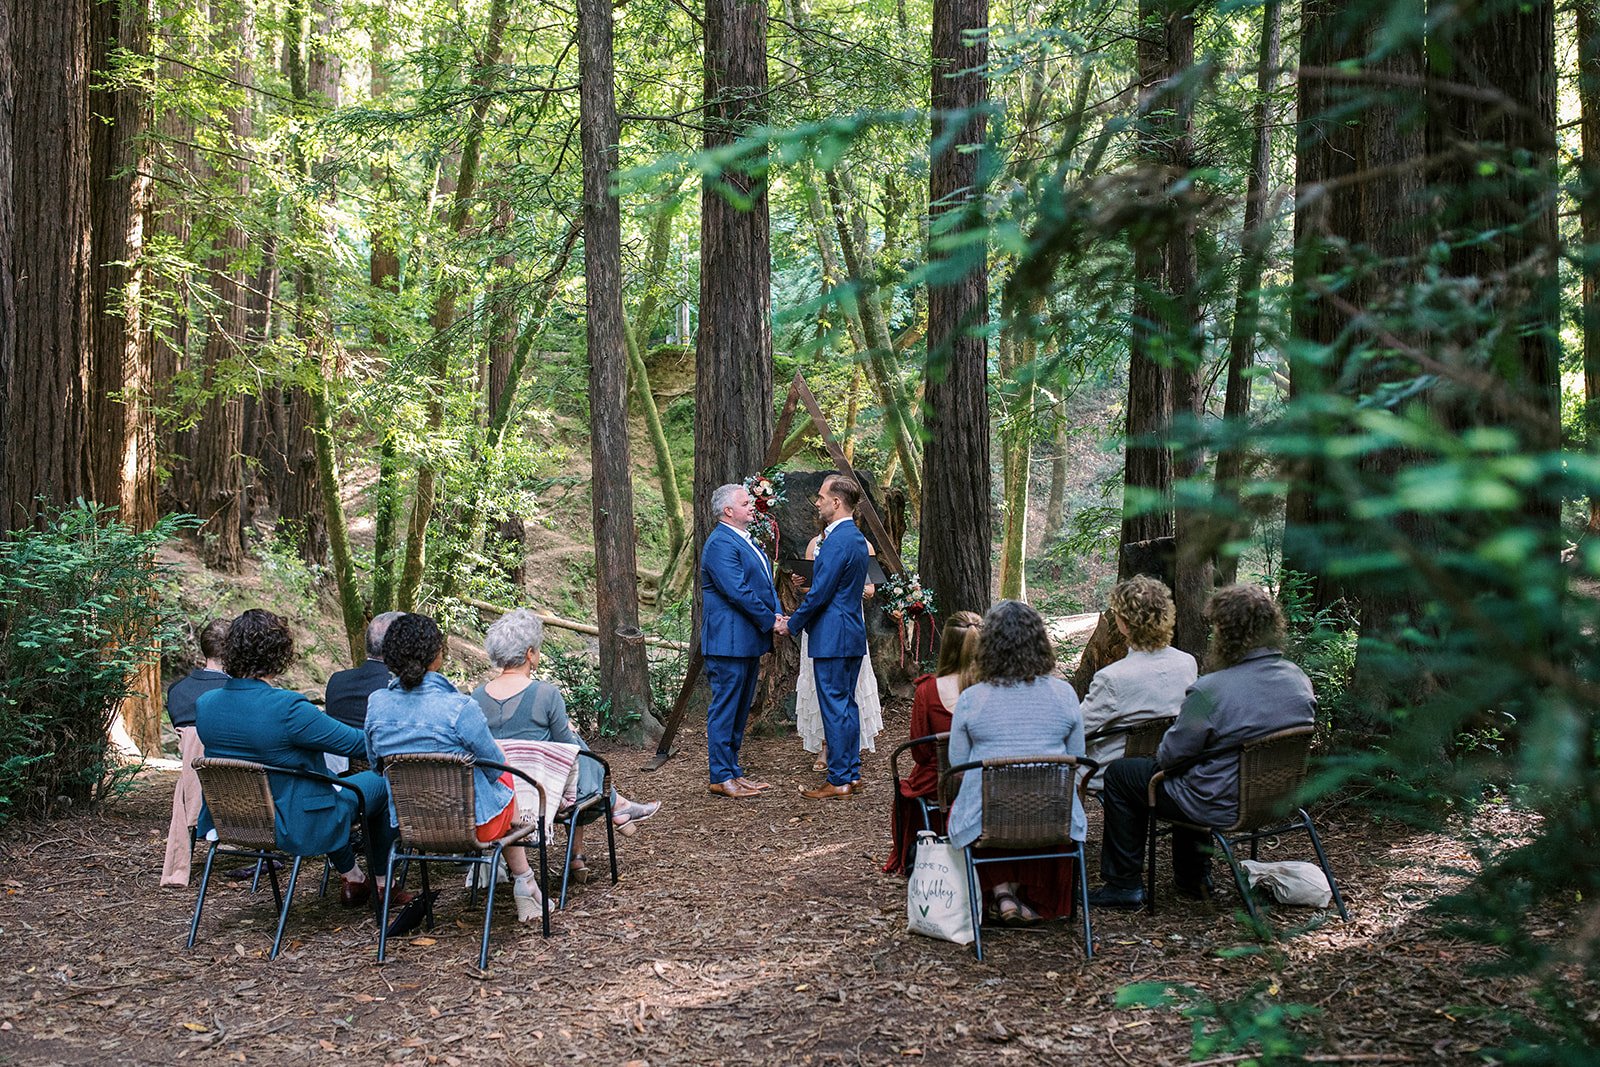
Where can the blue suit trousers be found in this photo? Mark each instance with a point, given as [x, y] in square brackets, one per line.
[733, 688]
[841, 716]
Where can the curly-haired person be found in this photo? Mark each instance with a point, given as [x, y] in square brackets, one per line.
[1149, 682]
[1251, 691]
[251, 718]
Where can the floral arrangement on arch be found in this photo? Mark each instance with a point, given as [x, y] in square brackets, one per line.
[766, 493]
[908, 602]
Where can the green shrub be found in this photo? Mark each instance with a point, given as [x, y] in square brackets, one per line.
[79, 615]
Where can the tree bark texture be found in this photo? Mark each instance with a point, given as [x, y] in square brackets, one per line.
[733, 351]
[1588, 12]
[384, 275]
[219, 438]
[623, 674]
[957, 513]
[8, 291]
[46, 413]
[1019, 350]
[1256, 239]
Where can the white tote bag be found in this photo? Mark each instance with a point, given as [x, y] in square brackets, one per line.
[937, 896]
[1290, 882]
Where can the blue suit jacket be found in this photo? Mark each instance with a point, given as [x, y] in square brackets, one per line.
[831, 612]
[738, 597]
[250, 720]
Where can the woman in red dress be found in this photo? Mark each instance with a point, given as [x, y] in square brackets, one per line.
[930, 714]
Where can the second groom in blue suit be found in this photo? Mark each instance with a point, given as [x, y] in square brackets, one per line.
[831, 615]
[739, 609]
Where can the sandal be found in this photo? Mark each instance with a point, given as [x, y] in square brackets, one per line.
[631, 813]
[1013, 912]
[578, 870]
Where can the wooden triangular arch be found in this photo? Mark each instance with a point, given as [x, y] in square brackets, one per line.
[799, 394]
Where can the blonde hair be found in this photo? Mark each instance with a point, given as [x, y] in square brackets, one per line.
[1144, 605]
[958, 647]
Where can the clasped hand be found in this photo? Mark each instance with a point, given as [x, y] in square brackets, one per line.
[780, 625]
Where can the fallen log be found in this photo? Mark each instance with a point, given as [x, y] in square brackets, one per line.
[577, 627]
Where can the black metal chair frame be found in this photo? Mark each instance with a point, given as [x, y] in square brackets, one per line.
[568, 817]
[1225, 837]
[400, 851]
[948, 784]
[263, 857]
[942, 741]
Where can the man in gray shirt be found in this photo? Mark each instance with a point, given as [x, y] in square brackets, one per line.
[1254, 692]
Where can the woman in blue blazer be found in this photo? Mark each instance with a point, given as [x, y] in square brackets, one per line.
[249, 718]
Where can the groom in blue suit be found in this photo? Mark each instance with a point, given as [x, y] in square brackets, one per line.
[831, 615]
[739, 610]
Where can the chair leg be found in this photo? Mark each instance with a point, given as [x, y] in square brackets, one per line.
[1083, 903]
[544, 874]
[200, 901]
[1150, 865]
[427, 915]
[383, 910]
[566, 870]
[975, 905]
[611, 840]
[272, 878]
[283, 915]
[1239, 880]
[327, 866]
[1322, 858]
[488, 908]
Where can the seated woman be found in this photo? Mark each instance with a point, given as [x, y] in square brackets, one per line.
[421, 711]
[1016, 709]
[1150, 681]
[931, 708]
[249, 718]
[520, 707]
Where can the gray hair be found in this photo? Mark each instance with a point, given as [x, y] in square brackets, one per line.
[722, 496]
[377, 630]
[510, 637]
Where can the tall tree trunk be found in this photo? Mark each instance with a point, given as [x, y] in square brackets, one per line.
[219, 466]
[1018, 388]
[733, 352]
[46, 410]
[384, 274]
[8, 273]
[1055, 509]
[1589, 212]
[957, 531]
[1256, 239]
[484, 78]
[122, 437]
[623, 674]
[173, 170]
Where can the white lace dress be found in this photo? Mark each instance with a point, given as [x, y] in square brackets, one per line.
[808, 713]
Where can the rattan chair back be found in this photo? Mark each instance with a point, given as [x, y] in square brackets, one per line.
[434, 800]
[1271, 770]
[1143, 738]
[1029, 803]
[239, 797]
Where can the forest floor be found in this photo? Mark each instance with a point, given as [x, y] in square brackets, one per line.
[742, 932]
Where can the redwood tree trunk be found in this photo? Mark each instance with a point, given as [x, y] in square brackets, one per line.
[8, 291]
[733, 353]
[623, 674]
[957, 514]
[1589, 211]
[46, 411]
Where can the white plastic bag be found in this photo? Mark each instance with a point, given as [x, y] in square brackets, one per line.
[1290, 882]
[938, 903]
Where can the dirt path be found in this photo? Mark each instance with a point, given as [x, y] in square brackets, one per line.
[742, 932]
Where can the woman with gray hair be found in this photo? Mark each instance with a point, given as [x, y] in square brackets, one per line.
[520, 707]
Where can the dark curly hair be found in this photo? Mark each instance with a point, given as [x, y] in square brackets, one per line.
[1013, 646]
[410, 647]
[258, 645]
[1243, 618]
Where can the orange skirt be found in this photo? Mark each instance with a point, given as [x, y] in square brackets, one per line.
[500, 825]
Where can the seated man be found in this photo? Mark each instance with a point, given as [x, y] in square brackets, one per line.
[1253, 692]
[347, 693]
[181, 699]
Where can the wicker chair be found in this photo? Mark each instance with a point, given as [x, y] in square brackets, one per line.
[1271, 770]
[1028, 804]
[569, 817]
[434, 800]
[941, 741]
[238, 794]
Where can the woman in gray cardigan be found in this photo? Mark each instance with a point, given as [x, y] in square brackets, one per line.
[520, 707]
[1018, 708]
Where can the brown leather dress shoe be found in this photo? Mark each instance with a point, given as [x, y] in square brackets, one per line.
[748, 784]
[732, 788]
[825, 791]
[354, 894]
